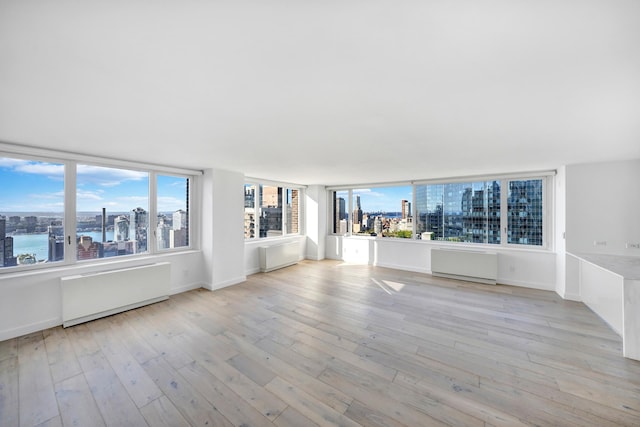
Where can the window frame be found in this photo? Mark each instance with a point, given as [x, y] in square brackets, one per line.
[70, 161]
[547, 209]
[258, 184]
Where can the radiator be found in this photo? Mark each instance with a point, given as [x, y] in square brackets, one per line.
[475, 266]
[280, 255]
[91, 296]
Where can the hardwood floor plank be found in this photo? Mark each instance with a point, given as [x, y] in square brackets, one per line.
[134, 379]
[77, 406]
[36, 392]
[255, 395]
[9, 392]
[8, 349]
[112, 399]
[162, 413]
[193, 406]
[307, 405]
[324, 393]
[62, 360]
[293, 418]
[226, 401]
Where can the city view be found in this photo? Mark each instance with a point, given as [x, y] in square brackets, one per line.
[111, 218]
[455, 212]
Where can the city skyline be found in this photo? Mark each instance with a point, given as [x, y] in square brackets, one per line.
[33, 186]
[383, 199]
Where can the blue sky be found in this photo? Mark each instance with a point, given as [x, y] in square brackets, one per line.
[30, 186]
[382, 199]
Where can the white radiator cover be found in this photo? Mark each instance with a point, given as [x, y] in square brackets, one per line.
[91, 296]
[475, 266]
[279, 255]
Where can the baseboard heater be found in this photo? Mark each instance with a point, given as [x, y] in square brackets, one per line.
[92, 296]
[279, 255]
[474, 266]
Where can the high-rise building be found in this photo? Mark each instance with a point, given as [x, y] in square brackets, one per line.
[6, 246]
[406, 209]
[180, 220]
[357, 216]
[56, 243]
[525, 212]
[162, 233]
[121, 228]
[138, 229]
[270, 211]
[339, 214]
[88, 249]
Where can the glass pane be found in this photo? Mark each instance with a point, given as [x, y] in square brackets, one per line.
[383, 211]
[173, 212]
[112, 208]
[459, 212]
[340, 217]
[429, 202]
[293, 210]
[31, 212]
[249, 211]
[270, 211]
[525, 212]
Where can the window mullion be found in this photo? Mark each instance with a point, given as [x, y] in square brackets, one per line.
[152, 243]
[70, 225]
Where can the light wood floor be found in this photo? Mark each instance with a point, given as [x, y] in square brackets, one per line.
[323, 343]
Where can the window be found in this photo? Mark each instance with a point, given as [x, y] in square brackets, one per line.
[293, 211]
[112, 212]
[112, 206]
[31, 212]
[249, 211]
[172, 229]
[525, 212]
[475, 211]
[459, 212]
[272, 210]
[339, 215]
[375, 211]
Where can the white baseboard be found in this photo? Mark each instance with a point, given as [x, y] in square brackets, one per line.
[185, 288]
[27, 329]
[530, 285]
[230, 282]
[402, 267]
[572, 297]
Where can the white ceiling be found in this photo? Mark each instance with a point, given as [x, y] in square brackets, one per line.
[325, 91]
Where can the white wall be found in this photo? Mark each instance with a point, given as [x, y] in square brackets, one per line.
[31, 301]
[603, 205]
[315, 221]
[223, 228]
[518, 267]
[252, 252]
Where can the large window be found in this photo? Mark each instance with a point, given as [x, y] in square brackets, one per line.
[31, 212]
[459, 212]
[492, 211]
[113, 212]
[373, 211]
[382, 211]
[270, 210]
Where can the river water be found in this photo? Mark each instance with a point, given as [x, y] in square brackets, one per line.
[38, 244]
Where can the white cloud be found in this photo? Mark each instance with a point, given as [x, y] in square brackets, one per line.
[6, 162]
[48, 169]
[107, 177]
[88, 195]
[170, 204]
